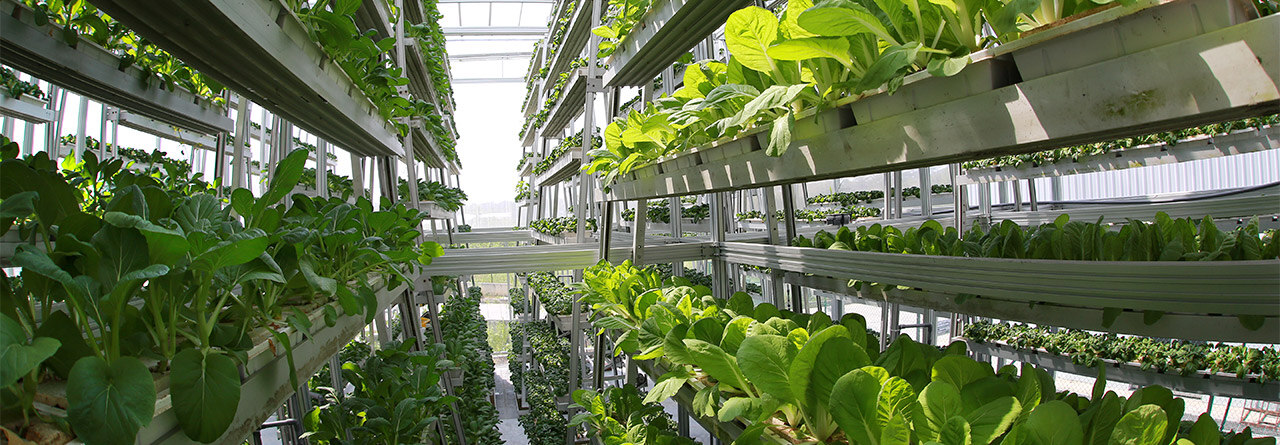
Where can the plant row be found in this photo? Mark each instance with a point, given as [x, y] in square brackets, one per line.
[1162, 239]
[559, 29]
[369, 62]
[396, 396]
[1166, 356]
[567, 144]
[14, 87]
[534, 122]
[127, 279]
[808, 215]
[661, 212]
[1077, 152]
[811, 56]
[466, 340]
[543, 423]
[448, 198]
[561, 225]
[553, 294]
[808, 378]
[866, 196]
[619, 414]
[523, 191]
[81, 20]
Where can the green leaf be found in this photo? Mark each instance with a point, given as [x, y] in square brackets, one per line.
[813, 48]
[956, 431]
[780, 134]
[17, 357]
[734, 407]
[1205, 431]
[668, 385]
[1052, 423]
[853, 405]
[843, 18]
[991, 420]
[1142, 426]
[749, 32]
[286, 177]
[939, 403]
[896, 431]
[716, 363]
[959, 371]
[109, 403]
[60, 327]
[766, 361]
[206, 391]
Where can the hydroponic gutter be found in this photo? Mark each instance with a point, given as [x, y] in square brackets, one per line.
[262, 51]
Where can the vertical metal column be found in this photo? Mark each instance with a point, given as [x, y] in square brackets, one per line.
[719, 270]
[789, 214]
[776, 290]
[439, 338]
[638, 232]
[1032, 199]
[322, 168]
[897, 194]
[81, 121]
[238, 164]
[926, 192]
[959, 209]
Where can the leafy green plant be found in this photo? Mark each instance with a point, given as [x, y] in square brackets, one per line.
[1080, 151]
[16, 88]
[1162, 239]
[75, 20]
[397, 397]
[467, 345]
[555, 296]
[619, 415]
[140, 268]
[809, 57]
[1176, 356]
[561, 225]
[808, 378]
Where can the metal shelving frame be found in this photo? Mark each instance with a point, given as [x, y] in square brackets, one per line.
[1111, 98]
[1205, 147]
[262, 51]
[1021, 118]
[92, 71]
[666, 33]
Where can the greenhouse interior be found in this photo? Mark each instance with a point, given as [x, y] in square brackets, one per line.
[712, 222]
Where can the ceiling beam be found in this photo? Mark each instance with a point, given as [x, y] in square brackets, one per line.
[494, 30]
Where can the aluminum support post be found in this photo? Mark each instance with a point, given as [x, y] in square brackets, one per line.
[82, 121]
[897, 194]
[1032, 200]
[219, 157]
[238, 164]
[887, 212]
[984, 205]
[776, 288]
[638, 232]
[439, 338]
[959, 209]
[720, 270]
[789, 218]
[411, 166]
[1016, 187]
[926, 191]
[606, 230]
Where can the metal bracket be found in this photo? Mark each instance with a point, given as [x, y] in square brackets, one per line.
[113, 114]
[595, 84]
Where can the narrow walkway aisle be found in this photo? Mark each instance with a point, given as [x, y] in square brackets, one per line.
[505, 402]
